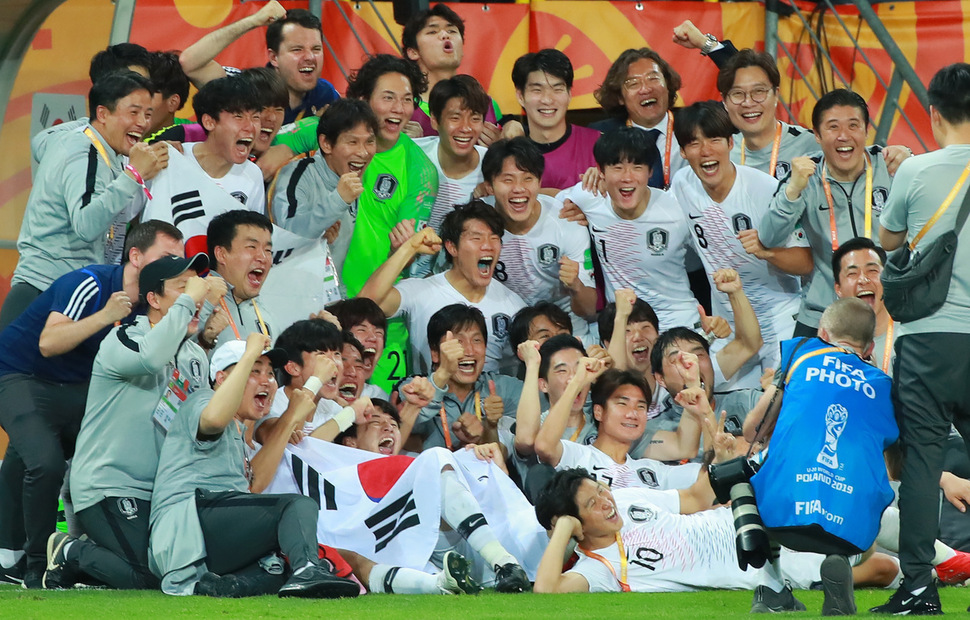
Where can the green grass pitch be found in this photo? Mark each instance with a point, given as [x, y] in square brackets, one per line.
[723, 605]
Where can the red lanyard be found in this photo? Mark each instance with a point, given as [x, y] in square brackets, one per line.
[828, 198]
[774, 150]
[624, 586]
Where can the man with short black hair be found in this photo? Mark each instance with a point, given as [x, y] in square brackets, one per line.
[546, 258]
[469, 400]
[241, 245]
[228, 109]
[857, 266]
[434, 39]
[172, 94]
[543, 83]
[83, 182]
[294, 46]
[836, 195]
[458, 106]
[724, 204]
[365, 320]
[472, 237]
[631, 215]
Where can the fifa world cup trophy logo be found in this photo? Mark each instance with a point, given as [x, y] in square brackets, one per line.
[835, 418]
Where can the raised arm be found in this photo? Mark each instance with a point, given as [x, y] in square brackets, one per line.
[380, 286]
[624, 299]
[529, 412]
[548, 444]
[747, 338]
[225, 402]
[684, 442]
[417, 395]
[198, 59]
[267, 460]
[549, 575]
[788, 204]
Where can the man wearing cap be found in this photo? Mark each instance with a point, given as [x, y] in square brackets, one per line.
[142, 374]
[46, 356]
[206, 525]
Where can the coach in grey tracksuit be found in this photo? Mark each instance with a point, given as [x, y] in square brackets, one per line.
[80, 187]
[309, 198]
[811, 210]
[113, 471]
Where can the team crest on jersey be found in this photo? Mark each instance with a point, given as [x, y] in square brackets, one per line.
[782, 169]
[500, 325]
[385, 186]
[657, 240]
[741, 222]
[240, 196]
[879, 197]
[641, 514]
[128, 507]
[548, 254]
[648, 477]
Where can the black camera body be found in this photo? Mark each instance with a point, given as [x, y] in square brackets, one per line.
[731, 483]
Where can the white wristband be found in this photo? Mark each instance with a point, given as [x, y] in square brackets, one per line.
[313, 385]
[345, 419]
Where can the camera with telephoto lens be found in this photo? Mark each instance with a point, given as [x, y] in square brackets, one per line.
[730, 481]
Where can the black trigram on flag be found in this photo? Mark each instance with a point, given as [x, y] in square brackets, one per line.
[308, 481]
[186, 206]
[390, 521]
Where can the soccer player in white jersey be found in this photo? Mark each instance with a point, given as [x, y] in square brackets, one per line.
[639, 233]
[544, 258]
[723, 204]
[620, 400]
[472, 238]
[643, 540]
[228, 110]
[458, 106]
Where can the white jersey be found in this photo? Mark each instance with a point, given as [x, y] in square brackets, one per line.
[646, 473]
[451, 191]
[326, 410]
[670, 552]
[774, 295]
[647, 254]
[529, 264]
[244, 181]
[421, 298]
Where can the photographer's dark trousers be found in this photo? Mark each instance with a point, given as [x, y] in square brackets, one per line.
[931, 390]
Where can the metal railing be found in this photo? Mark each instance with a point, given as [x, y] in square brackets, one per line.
[826, 71]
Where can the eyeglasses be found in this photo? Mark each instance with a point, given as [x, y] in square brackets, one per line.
[757, 95]
[634, 82]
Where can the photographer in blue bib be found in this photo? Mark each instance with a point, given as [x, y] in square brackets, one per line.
[823, 486]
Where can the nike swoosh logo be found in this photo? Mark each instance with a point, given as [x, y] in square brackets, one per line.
[907, 601]
[595, 229]
[694, 217]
